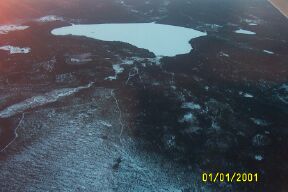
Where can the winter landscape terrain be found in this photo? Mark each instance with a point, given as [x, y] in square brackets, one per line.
[142, 95]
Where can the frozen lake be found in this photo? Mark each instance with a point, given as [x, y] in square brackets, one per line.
[162, 40]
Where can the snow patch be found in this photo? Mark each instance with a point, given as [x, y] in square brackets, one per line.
[105, 123]
[222, 54]
[190, 105]
[50, 18]
[187, 118]
[213, 26]
[118, 70]
[258, 157]
[4, 29]
[40, 100]
[246, 32]
[268, 52]
[252, 22]
[15, 50]
[162, 40]
[247, 95]
[79, 59]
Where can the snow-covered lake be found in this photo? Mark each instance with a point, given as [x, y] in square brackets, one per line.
[162, 40]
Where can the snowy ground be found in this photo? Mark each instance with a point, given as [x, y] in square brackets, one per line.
[86, 152]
